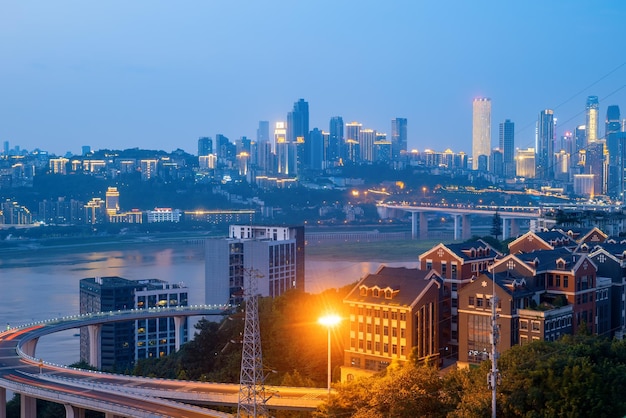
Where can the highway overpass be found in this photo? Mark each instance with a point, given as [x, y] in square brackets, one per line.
[118, 395]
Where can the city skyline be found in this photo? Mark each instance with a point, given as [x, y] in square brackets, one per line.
[160, 77]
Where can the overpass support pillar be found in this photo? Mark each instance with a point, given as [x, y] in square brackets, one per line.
[179, 321]
[423, 226]
[414, 225]
[505, 230]
[514, 228]
[94, 345]
[30, 346]
[28, 406]
[3, 403]
[467, 227]
[456, 226]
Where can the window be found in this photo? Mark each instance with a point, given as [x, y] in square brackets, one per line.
[369, 345]
[394, 349]
[565, 281]
[394, 332]
[375, 293]
[377, 329]
[387, 294]
[369, 328]
[394, 315]
[550, 280]
[444, 269]
[402, 316]
[471, 301]
[536, 326]
[523, 324]
[402, 332]
[479, 302]
[385, 348]
[363, 291]
[429, 265]
[385, 314]
[377, 345]
[558, 280]
[453, 271]
[385, 330]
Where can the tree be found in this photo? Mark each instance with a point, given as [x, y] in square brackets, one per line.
[496, 225]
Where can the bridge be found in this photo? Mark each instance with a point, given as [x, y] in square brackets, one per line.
[461, 215]
[120, 395]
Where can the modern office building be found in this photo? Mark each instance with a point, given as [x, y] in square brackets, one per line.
[544, 145]
[592, 118]
[315, 148]
[525, 163]
[481, 130]
[263, 131]
[399, 138]
[611, 135]
[353, 132]
[122, 343]
[506, 143]
[367, 137]
[274, 254]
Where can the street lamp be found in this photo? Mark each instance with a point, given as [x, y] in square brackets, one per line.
[329, 321]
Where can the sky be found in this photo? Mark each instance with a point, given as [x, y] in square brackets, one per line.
[156, 74]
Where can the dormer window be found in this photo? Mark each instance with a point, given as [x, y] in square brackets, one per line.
[560, 264]
[363, 291]
[473, 253]
[480, 252]
[387, 294]
[375, 293]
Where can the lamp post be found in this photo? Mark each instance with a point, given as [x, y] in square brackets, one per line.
[329, 321]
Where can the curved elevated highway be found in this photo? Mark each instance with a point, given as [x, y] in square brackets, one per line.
[119, 395]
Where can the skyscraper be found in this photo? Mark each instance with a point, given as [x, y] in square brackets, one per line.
[398, 137]
[298, 132]
[263, 131]
[506, 144]
[591, 121]
[481, 129]
[367, 137]
[335, 140]
[611, 135]
[545, 145]
[353, 131]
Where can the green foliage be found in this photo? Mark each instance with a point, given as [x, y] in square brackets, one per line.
[496, 225]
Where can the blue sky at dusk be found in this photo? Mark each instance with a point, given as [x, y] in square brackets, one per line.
[160, 74]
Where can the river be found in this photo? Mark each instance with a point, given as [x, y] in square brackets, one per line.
[45, 285]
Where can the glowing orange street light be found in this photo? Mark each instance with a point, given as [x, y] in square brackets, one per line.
[329, 321]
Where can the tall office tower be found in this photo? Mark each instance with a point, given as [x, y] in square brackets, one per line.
[367, 137]
[325, 141]
[398, 137]
[122, 343]
[5, 148]
[545, 145]
[285, 151]
[335, 140]
[224, 149]
[525, 163]
[298, 131]
[316, 148]
[596, 164]
[112, 200]
[352, 130]
[205, 145]
[611, 135]
[592, 119]
[263, 131]
[275, 253]
[506, 143]
[496, 165]
[481, 130]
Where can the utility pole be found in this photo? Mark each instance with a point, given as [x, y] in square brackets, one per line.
[251, 382]
[494, 375]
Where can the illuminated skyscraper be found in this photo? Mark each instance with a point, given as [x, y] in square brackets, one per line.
[481, 130]
[353, 131]
[367, 137]
[205, 146]
[591, 121]
[545, 145]
[506, 144]
[398, 137]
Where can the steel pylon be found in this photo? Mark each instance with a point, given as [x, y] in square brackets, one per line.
[252, 381]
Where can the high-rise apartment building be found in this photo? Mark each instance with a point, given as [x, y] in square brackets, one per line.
[481, 130]
[263, 131]
[398, 137]
[274, 254]
[316, 149]
[367, 137]
[298, 132]
[205, 146]
[592, 118]
[506, 143]
[353, 132]
[335, 140]
[112, 199]
[545, 145]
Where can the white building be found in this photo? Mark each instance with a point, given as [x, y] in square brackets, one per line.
[163, 215]
[274, 254]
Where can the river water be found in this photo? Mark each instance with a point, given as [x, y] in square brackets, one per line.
[44, 285]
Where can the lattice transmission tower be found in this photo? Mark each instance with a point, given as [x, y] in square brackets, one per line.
[252, 397]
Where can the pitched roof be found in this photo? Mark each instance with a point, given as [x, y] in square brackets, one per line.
[546, 259]
[463, 250]
[405, 284]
